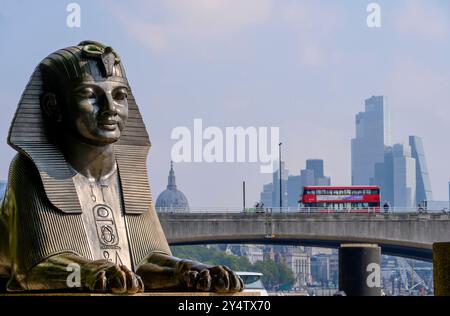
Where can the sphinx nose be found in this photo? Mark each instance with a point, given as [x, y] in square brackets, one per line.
[108, 105]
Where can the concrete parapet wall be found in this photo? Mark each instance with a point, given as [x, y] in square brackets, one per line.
[397, 231]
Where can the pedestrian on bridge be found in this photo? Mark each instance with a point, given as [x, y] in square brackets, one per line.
[386, 207]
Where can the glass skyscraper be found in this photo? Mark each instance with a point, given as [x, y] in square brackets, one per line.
[423, 186]
[316, 165]
[384, 176]
[266, 195]
[372, 136]
[404, 171]
[293, 190]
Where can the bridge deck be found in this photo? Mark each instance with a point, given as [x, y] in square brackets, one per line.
[408, 234]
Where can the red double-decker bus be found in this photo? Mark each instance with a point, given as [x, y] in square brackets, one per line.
[356, 199]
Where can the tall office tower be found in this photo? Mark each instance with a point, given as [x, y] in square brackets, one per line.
[266, 195]
[292, 186]
[404, 167]
[276, 186]
[313, 174]
[316, 165]
[293, 190]
[372, 136]
[307, 178]
[384, 177]
[423, 186]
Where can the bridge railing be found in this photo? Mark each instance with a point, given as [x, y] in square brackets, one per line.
[318, 210]
[200, 209]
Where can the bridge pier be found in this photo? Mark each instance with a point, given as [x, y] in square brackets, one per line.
[441, 268]
[359, 269]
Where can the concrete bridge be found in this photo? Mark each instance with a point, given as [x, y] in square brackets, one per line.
[406, 234]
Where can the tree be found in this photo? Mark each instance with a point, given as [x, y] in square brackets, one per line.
[275, 275]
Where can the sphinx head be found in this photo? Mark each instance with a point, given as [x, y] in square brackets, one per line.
[85, 93]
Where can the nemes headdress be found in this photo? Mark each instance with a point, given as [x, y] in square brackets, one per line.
[28, 133]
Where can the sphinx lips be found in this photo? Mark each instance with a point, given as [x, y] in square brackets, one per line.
[108, 124]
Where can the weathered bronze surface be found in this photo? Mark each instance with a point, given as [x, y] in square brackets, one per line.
[78, 195]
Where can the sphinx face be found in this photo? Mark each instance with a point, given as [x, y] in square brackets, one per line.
[96, 111]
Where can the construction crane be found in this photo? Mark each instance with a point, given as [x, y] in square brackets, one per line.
[405, 267]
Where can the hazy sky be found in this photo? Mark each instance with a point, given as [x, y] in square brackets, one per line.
[304, 66]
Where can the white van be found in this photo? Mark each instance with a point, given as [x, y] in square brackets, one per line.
[252, 282]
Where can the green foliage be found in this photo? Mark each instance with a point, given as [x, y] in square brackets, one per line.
[275, 275]
[212, 256]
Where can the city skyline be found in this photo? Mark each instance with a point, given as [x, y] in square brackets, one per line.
[200, 60]
[292, 184]
[400, 170]
[298, 143]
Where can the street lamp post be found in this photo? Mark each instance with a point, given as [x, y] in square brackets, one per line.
[243, 195]
[279, 169]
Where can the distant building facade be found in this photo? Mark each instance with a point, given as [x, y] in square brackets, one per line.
[292, 186]
[320, 268]
[172, 199]
[293, 190]
[2, 189]
[423, 184]
[397, 177]
[313, 175]
[299, 262]
[276, 186]
[404, 176]
[266, 195]
[253, 253]
[384, 176]
[334, 267]
[372, 135]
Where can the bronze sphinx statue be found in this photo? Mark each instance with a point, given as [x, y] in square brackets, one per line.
[78, 193]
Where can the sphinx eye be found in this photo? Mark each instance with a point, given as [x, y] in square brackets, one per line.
[120, 94]
[87, 93]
